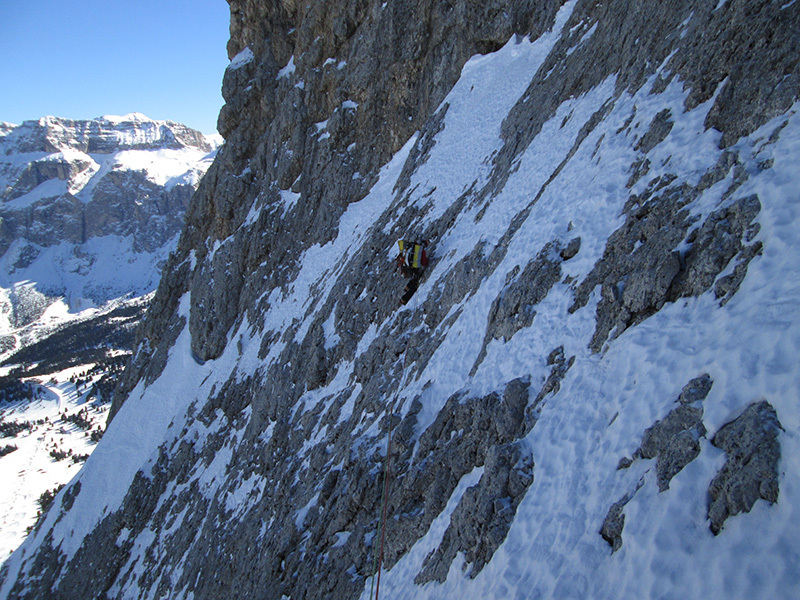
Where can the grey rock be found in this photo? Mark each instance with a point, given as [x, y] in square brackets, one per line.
[659, 128]
[572, 249]
[640, 262]
[561, 364]
[639, 168]
[414, 51]
[714, 245]
[750, 471]
[725, 287]
[99, 136]
[674, 443]
[422, 147]
[674, 440]
[467, 433]
[641, 268]
[481, 521]
[614, 522]
[696, 390]
[128, 204]
[624, 463]
[613, 525]
[514, 307]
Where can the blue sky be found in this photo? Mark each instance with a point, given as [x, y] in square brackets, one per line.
[85, 59]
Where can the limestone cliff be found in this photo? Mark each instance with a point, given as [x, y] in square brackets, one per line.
[58, 184]
[89, 210]
[607, 188]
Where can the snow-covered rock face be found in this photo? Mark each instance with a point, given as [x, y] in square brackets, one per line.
[594, 381]
[90, 209]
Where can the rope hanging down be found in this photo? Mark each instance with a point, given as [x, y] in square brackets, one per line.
[385, 500]
[378, 555]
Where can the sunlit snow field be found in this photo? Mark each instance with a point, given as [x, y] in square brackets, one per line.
[31, 470]
[749, 347]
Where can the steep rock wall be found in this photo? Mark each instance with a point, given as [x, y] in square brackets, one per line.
[301, 125]
[594, 189]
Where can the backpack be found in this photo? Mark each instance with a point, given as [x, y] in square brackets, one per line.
[413, 253]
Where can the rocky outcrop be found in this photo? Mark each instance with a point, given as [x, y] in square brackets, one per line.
[314, 126]
[642, 268]
[89, 210]
[673, 442]
[514, 308]
[750, 471]
[482, 519]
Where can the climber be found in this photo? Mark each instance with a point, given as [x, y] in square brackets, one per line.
[411, 261]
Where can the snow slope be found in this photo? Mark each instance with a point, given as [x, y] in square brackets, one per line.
[31, 470]
[571, 181]
[606, 401]
[54, 403]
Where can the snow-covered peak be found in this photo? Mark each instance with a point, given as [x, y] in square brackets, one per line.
[215, 140]
[102, 135]
[6, 127]
[91, 209]
[135, 117]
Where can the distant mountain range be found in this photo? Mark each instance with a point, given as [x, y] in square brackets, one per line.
[89, 210]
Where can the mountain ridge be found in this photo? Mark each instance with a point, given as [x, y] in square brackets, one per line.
[101, 135]
[85, 201]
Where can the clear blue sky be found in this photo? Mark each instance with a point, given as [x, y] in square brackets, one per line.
[87, 58]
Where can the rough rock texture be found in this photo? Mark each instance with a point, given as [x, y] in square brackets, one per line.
[750, 472]
[300, 105]
[328, 132]
[514, 308]
[613, 525]
[673, 441]
[468, 433]
[642, 268]
[269, 484]
[659, 128]
[482, 519]
[317, 131]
